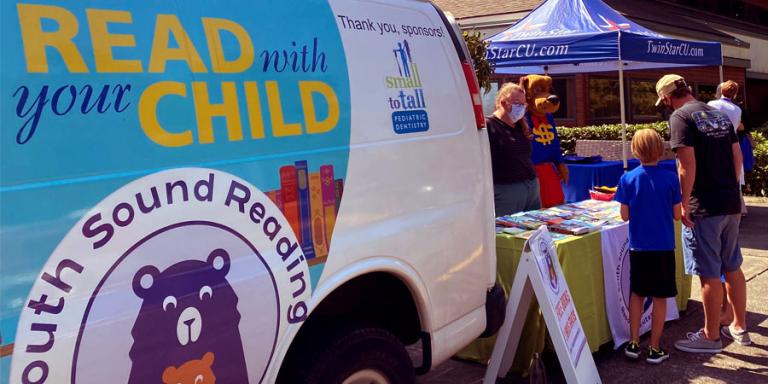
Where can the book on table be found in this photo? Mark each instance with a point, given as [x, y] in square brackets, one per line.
[514, 230]
[574, 227]
[523, 221]
[545, 217]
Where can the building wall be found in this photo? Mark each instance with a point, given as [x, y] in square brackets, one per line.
[757, 103]
[701, 76]
[757, 52]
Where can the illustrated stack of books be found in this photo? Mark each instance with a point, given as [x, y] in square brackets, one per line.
[310, 201]
[563, 221]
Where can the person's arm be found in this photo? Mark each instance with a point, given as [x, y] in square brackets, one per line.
[738, 160]
[676, 214]
[562, 168]
[622, 196]
[686, 170]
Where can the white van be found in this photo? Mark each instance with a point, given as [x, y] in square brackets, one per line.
[247, 191]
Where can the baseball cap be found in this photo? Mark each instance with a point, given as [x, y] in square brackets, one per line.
[667, 84]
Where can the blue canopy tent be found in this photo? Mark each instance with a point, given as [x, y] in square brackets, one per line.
[581, 36]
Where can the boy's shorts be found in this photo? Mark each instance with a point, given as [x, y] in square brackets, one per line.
[652, 273]
[711, 247]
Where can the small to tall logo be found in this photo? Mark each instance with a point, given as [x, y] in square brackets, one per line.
[408, 104]
[404, 60]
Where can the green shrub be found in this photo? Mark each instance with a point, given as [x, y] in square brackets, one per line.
[569, 135]
[483, 68]
[756, 181]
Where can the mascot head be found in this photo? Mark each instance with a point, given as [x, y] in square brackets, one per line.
[538, 93]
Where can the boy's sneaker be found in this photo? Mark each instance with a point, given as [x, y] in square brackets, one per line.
[697, 342]
[632, 350]
[741, 337]
[656, 355]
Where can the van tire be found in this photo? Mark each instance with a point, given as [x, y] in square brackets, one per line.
[356, 350]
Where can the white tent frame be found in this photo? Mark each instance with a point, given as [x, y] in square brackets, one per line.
[622, 103]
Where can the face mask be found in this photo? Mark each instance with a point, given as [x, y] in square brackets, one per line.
[517, 112]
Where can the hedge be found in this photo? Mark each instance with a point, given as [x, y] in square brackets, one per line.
[569, 135]
[756, 181]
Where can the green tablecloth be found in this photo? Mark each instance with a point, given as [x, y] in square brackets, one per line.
[582, 263]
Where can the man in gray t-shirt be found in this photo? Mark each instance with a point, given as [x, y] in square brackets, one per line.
[709, 162]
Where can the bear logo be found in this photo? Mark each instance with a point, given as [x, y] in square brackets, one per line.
[191, 372]
[187, 310]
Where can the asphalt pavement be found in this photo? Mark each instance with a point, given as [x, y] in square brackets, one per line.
[736, 364]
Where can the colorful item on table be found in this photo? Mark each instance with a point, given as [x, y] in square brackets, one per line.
[519, 220]
[568, 219]
[575, 227]
[602, 193]
[514, 230]
[605, 189]
[546, 217]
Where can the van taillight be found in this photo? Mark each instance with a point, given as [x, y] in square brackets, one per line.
[474, 92]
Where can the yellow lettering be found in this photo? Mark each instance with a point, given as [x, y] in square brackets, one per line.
[255, 117]
[279, 126]
[148, 114]
[103, 41]
[35, 40]
[206, 111]
[167, 25]
[307, 88]
[219, 63]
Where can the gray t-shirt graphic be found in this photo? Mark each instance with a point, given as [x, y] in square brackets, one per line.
[711, 134]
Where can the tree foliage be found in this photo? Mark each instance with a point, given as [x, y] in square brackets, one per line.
[477, 48]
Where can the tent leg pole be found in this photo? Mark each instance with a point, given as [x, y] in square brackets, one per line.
[623, 115]
[721, 74]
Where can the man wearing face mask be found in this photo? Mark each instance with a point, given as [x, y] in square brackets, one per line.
[709, 162]
[516, 188]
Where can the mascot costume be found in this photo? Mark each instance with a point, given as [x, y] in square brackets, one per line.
[547, 156]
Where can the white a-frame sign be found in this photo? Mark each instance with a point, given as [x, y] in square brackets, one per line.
[539, 273]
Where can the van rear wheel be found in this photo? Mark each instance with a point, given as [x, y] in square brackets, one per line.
[362, 356]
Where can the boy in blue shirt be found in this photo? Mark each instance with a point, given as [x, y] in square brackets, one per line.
[650, 200]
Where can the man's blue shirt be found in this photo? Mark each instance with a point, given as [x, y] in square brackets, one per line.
[650, 192]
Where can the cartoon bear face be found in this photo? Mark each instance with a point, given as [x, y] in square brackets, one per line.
[182, 293]
[187, 309]
[191, 372]
[539, 94]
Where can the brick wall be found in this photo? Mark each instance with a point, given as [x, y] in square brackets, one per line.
[704, 75]
[582, 97]
[693, 75]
